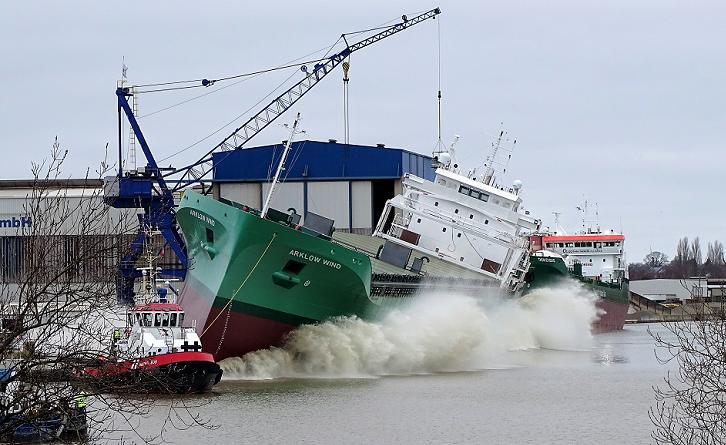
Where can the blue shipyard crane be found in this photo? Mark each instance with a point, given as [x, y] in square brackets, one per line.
[152, 188]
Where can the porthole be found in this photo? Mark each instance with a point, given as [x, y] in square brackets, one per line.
[458, 235]
[486, 221]
[456, 210]
[471, 216]
[444, 229]
[436, 204]
[418, 220]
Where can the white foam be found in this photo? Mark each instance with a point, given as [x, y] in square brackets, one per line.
[439, 332]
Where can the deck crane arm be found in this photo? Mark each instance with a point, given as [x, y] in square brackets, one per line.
[152, 189]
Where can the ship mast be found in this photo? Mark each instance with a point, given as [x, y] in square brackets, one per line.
[280, 167]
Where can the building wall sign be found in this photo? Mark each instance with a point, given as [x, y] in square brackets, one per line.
[15, 222]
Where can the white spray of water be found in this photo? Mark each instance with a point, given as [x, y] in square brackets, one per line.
[439, 332]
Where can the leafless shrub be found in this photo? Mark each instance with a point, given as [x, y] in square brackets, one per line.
[57, 310]
[690, 405]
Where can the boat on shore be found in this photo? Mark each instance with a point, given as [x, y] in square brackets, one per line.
[256, 275]
[156, 352]
[25, 419]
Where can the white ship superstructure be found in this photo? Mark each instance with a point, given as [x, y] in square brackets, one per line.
[602, 255]
[462, 220]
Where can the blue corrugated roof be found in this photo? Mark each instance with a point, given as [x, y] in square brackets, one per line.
[320, 161]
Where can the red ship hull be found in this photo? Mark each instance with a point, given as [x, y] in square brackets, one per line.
[179, 372]
[612, 317]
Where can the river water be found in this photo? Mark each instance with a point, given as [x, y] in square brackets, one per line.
[554, 384]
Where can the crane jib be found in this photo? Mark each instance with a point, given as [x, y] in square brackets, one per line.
[253, 126]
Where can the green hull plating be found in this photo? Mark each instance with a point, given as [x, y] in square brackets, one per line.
[275, 275]
[548, 271]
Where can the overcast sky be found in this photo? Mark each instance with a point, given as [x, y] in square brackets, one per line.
[622, 103]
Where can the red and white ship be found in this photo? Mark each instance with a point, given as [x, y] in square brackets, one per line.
[594, 258]
[156, 352]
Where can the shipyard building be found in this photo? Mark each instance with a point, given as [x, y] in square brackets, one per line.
[59, 205]
[347, 183]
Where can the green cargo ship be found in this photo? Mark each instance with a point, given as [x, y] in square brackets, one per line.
[251, 279]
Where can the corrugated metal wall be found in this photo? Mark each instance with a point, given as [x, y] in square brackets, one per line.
[362, 206]
[287, 195]
[247, 193]
[330, 199]
[13, 210]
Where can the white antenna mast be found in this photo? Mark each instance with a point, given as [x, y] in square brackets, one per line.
[280, 167]
[557, 221]
[131, 161]
[597, 217]
[583, 209]
[488, 178]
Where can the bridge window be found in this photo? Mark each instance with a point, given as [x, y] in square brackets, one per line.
[172, 321]
[165, 319]
[147, 319]
[157, 320]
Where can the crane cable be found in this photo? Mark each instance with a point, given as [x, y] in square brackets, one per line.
[230, 122]
[439, 142]
[206, 82]
[244, 79]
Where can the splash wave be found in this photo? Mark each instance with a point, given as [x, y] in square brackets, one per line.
[439, 332]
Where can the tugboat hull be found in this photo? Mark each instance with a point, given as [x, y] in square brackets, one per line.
[179, 372]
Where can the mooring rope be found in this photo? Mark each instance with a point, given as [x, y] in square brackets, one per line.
[229, 303]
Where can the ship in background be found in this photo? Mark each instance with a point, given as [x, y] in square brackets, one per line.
[593, 258]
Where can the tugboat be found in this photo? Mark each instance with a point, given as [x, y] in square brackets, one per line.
[155, 352]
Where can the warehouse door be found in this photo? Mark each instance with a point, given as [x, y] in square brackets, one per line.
[382, 191]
